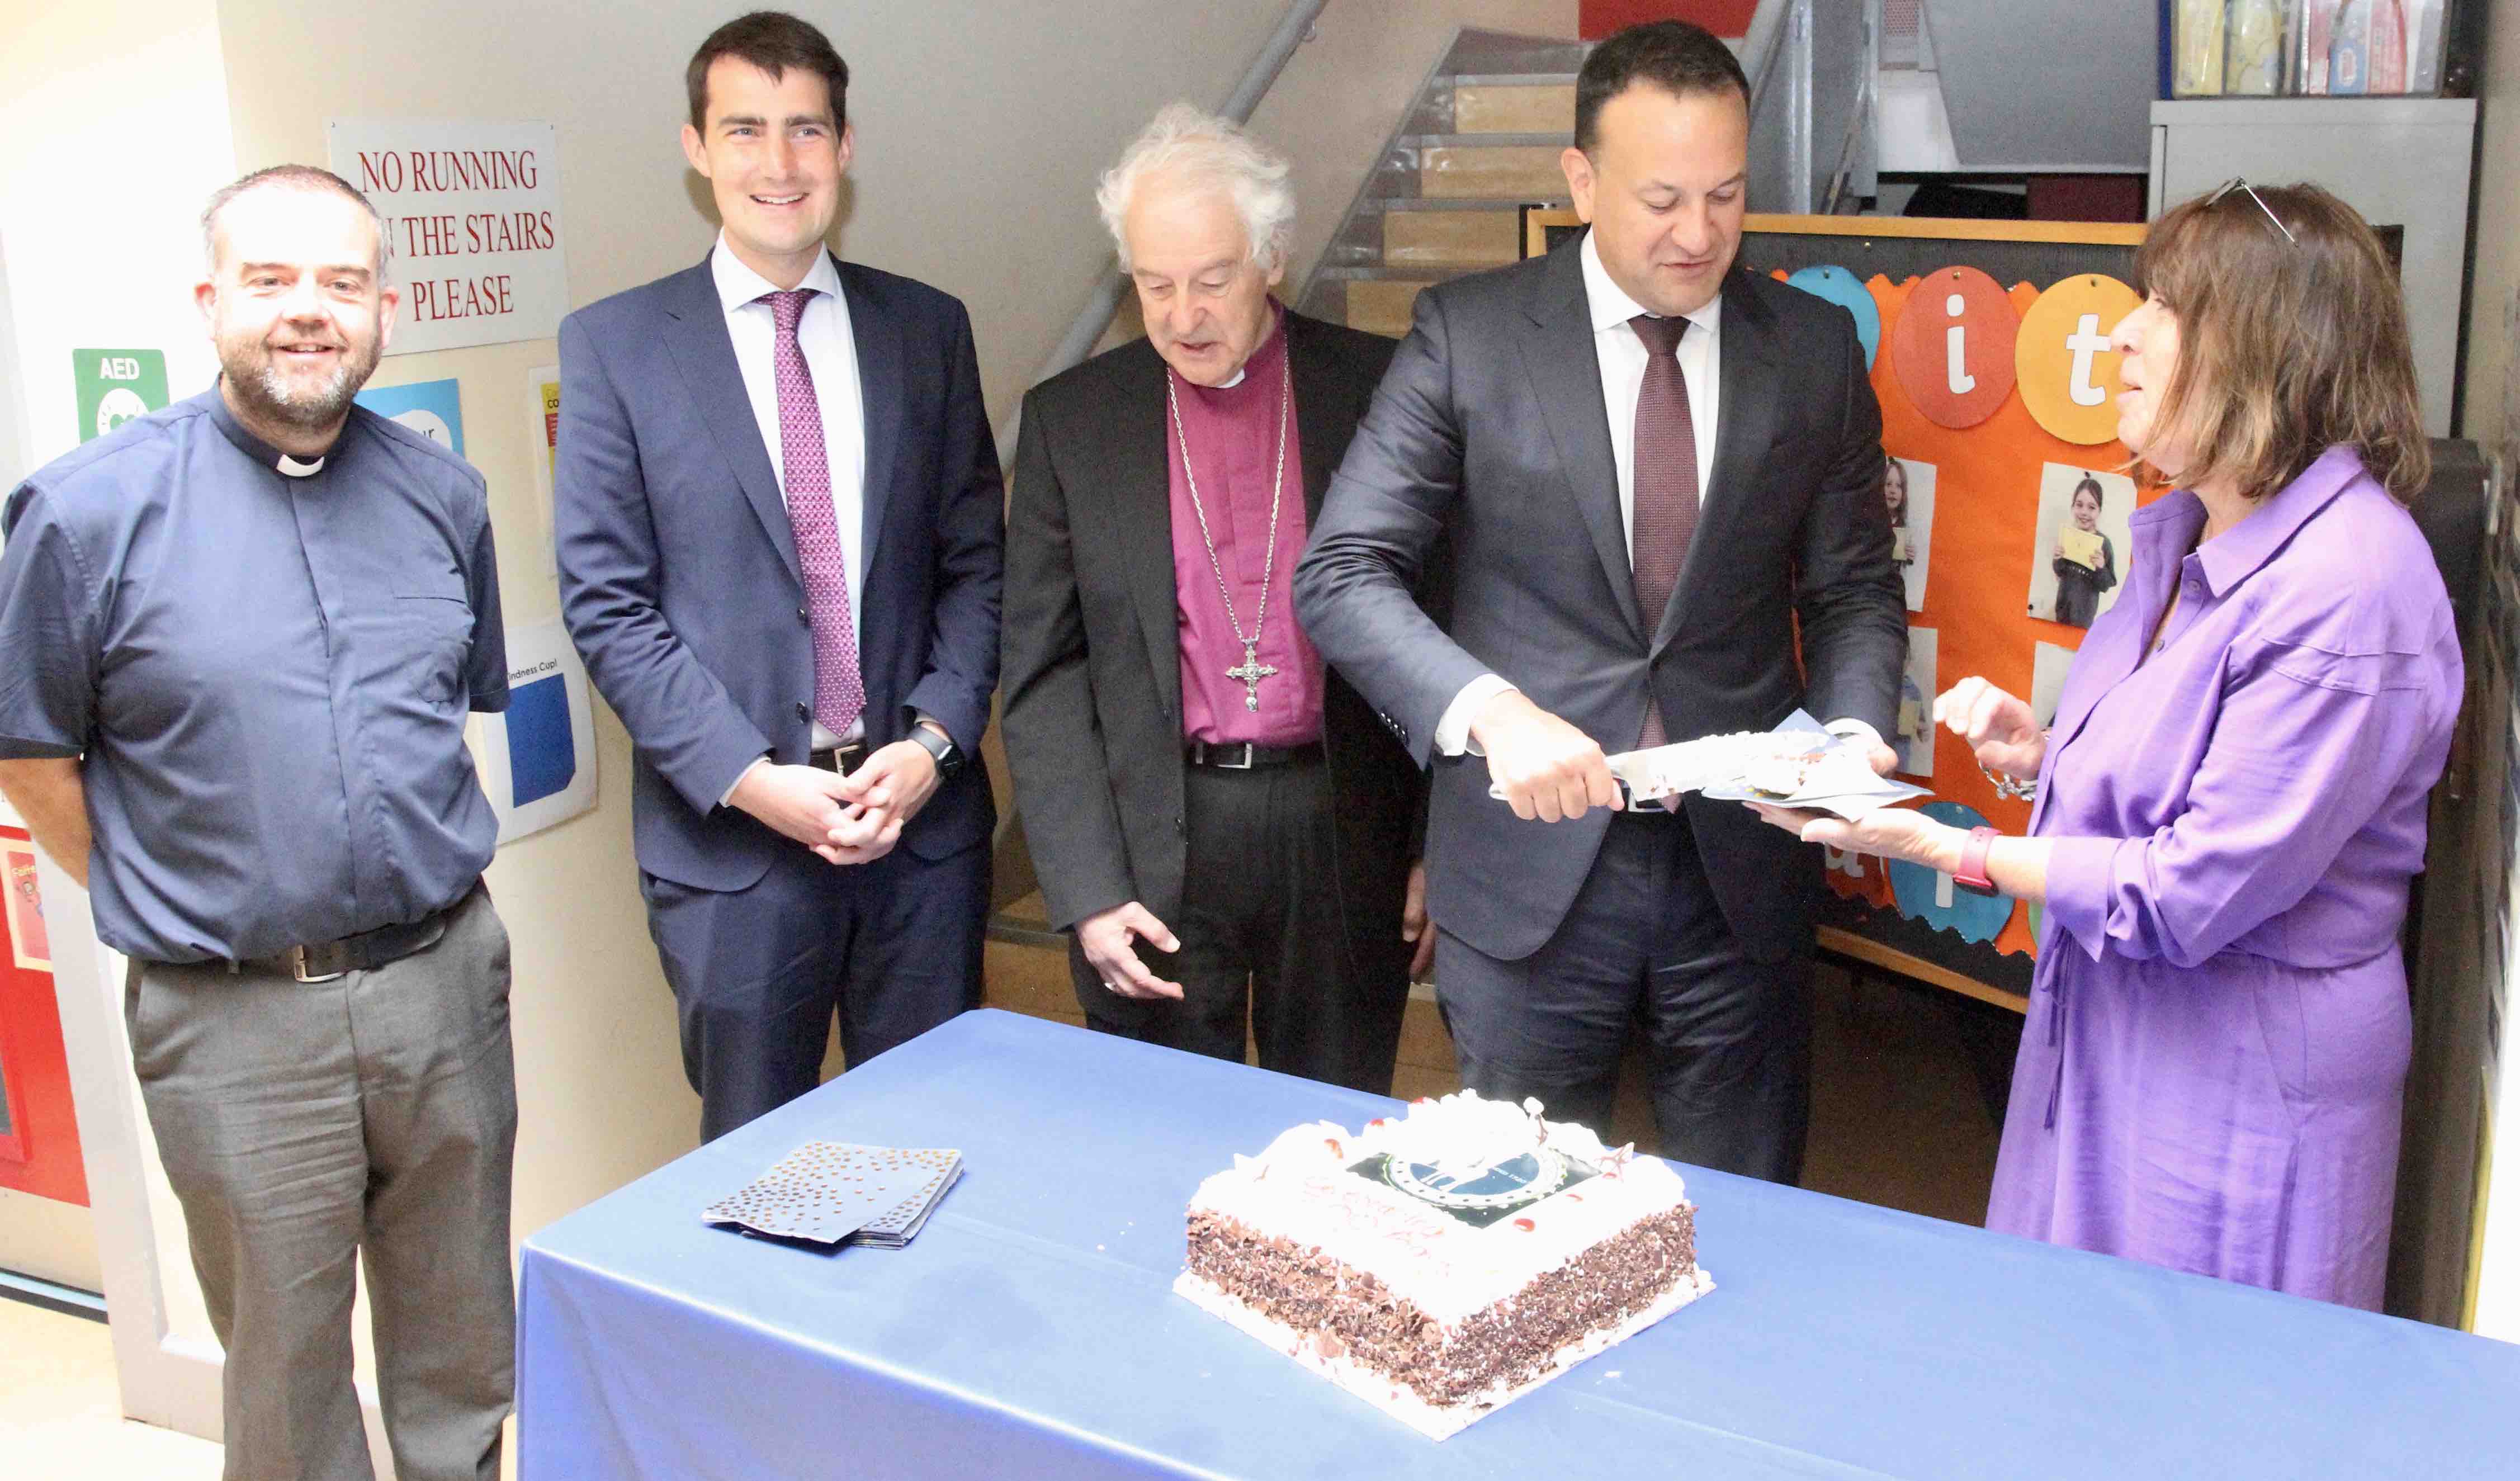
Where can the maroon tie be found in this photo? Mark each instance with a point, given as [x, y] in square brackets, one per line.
[1666, 484]
[805, 462]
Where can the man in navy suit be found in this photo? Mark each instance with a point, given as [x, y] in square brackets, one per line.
[780, 532]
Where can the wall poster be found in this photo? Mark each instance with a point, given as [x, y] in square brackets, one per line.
[472, 211]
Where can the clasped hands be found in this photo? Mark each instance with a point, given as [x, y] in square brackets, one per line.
[855, 819]
[2001, 730]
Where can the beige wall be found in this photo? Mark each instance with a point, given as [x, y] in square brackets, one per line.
[100, 187]
[979, 129]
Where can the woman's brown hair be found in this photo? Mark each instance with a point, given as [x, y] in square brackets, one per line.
[2288, 345]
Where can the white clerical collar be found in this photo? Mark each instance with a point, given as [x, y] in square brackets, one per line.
[224, 416]
[1610, 304]
[1276, 326]
[739, 285]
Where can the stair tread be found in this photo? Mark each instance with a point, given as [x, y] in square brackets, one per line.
[1419, 273]
[1462, 204]
[1480, 141]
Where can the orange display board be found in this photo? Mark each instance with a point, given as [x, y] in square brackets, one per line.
[2010, 494]
[1990, 478]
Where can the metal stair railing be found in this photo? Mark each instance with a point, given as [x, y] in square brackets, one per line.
[1812, 69]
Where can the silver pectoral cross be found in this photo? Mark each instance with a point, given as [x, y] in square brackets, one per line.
[1251, 671]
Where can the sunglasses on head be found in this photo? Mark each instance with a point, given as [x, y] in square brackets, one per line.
[2236, 182]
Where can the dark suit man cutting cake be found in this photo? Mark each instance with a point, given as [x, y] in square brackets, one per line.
[1663, 476]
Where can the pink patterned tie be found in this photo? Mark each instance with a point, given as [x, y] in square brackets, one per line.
[839, 691]
[1665, 513]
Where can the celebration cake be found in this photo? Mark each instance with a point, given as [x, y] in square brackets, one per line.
[1446, 1263]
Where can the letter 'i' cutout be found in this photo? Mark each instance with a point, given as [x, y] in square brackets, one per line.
[1952, 348]
[1956, 348]
[2068, 373]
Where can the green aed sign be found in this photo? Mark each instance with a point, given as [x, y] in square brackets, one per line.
[116, 385]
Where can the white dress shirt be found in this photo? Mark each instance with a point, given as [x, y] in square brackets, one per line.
[830, 348]
[1623, 357]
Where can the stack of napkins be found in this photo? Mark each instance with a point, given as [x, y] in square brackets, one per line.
[838, 1192]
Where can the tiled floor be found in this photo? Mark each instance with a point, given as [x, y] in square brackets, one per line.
[61, 1415]
[1895, 1120]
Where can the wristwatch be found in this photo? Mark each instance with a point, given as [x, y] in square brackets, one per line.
[949, 756]
[1971, 875]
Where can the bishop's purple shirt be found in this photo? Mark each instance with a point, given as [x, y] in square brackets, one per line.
[1234, 450]
[2219, 1030]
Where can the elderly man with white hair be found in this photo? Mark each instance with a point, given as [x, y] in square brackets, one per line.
[1222, 823]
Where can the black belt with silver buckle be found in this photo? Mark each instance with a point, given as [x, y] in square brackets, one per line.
[842, 759]
[324, 960]
[1243, 756]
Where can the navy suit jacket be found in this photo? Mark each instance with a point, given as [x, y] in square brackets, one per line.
[1490, 426]
[678, 572]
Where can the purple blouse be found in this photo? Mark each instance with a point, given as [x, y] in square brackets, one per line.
[2260, 784]
[2211, 1072]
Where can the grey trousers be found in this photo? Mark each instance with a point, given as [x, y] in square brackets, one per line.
[305, 1125]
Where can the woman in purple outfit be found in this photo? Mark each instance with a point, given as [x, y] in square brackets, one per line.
[2232, 799]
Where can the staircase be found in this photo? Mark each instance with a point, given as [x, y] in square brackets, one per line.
[1480, 143]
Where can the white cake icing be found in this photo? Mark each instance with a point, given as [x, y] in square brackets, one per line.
[1300, 1188]
[1426, 1258]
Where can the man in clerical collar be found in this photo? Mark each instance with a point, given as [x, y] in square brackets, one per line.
[1222, 823]
[245, 632]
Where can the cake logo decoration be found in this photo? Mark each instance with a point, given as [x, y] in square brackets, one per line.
[1478, 1193]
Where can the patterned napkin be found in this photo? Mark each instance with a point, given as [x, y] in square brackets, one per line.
[831, 1193]
[901, 1225]
[1717, 767]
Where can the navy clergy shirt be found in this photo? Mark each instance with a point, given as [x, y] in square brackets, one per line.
[266, 664]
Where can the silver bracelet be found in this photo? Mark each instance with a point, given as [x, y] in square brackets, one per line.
[2006, 787]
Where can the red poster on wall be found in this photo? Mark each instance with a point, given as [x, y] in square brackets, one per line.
[39, 1145]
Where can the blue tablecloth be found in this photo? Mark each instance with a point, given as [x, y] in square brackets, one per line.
[1030, 1331]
